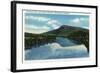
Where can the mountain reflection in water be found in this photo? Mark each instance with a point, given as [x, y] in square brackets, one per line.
[61, 48]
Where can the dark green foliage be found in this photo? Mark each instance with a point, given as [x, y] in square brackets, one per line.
[36, 40]
[81, 36]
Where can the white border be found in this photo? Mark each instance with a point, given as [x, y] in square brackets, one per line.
[61, 62]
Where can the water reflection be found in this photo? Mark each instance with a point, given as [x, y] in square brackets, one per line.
[55, 49]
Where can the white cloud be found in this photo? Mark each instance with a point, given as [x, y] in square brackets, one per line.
[38, 18]
[54, 24]
[35, 31]
[49, 24]
[45, 27]
[83, 19]
[76, 20]
[37, 27]
[31, 26]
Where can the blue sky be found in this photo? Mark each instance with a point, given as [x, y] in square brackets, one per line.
[39, 23]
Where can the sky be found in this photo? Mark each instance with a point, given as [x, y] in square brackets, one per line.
[42, 22]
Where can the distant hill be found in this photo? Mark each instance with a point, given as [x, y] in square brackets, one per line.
[75, 33]
[65, 30]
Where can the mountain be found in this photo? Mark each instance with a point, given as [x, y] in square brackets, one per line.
[66, 30]
[78, 34]
[75, 33]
